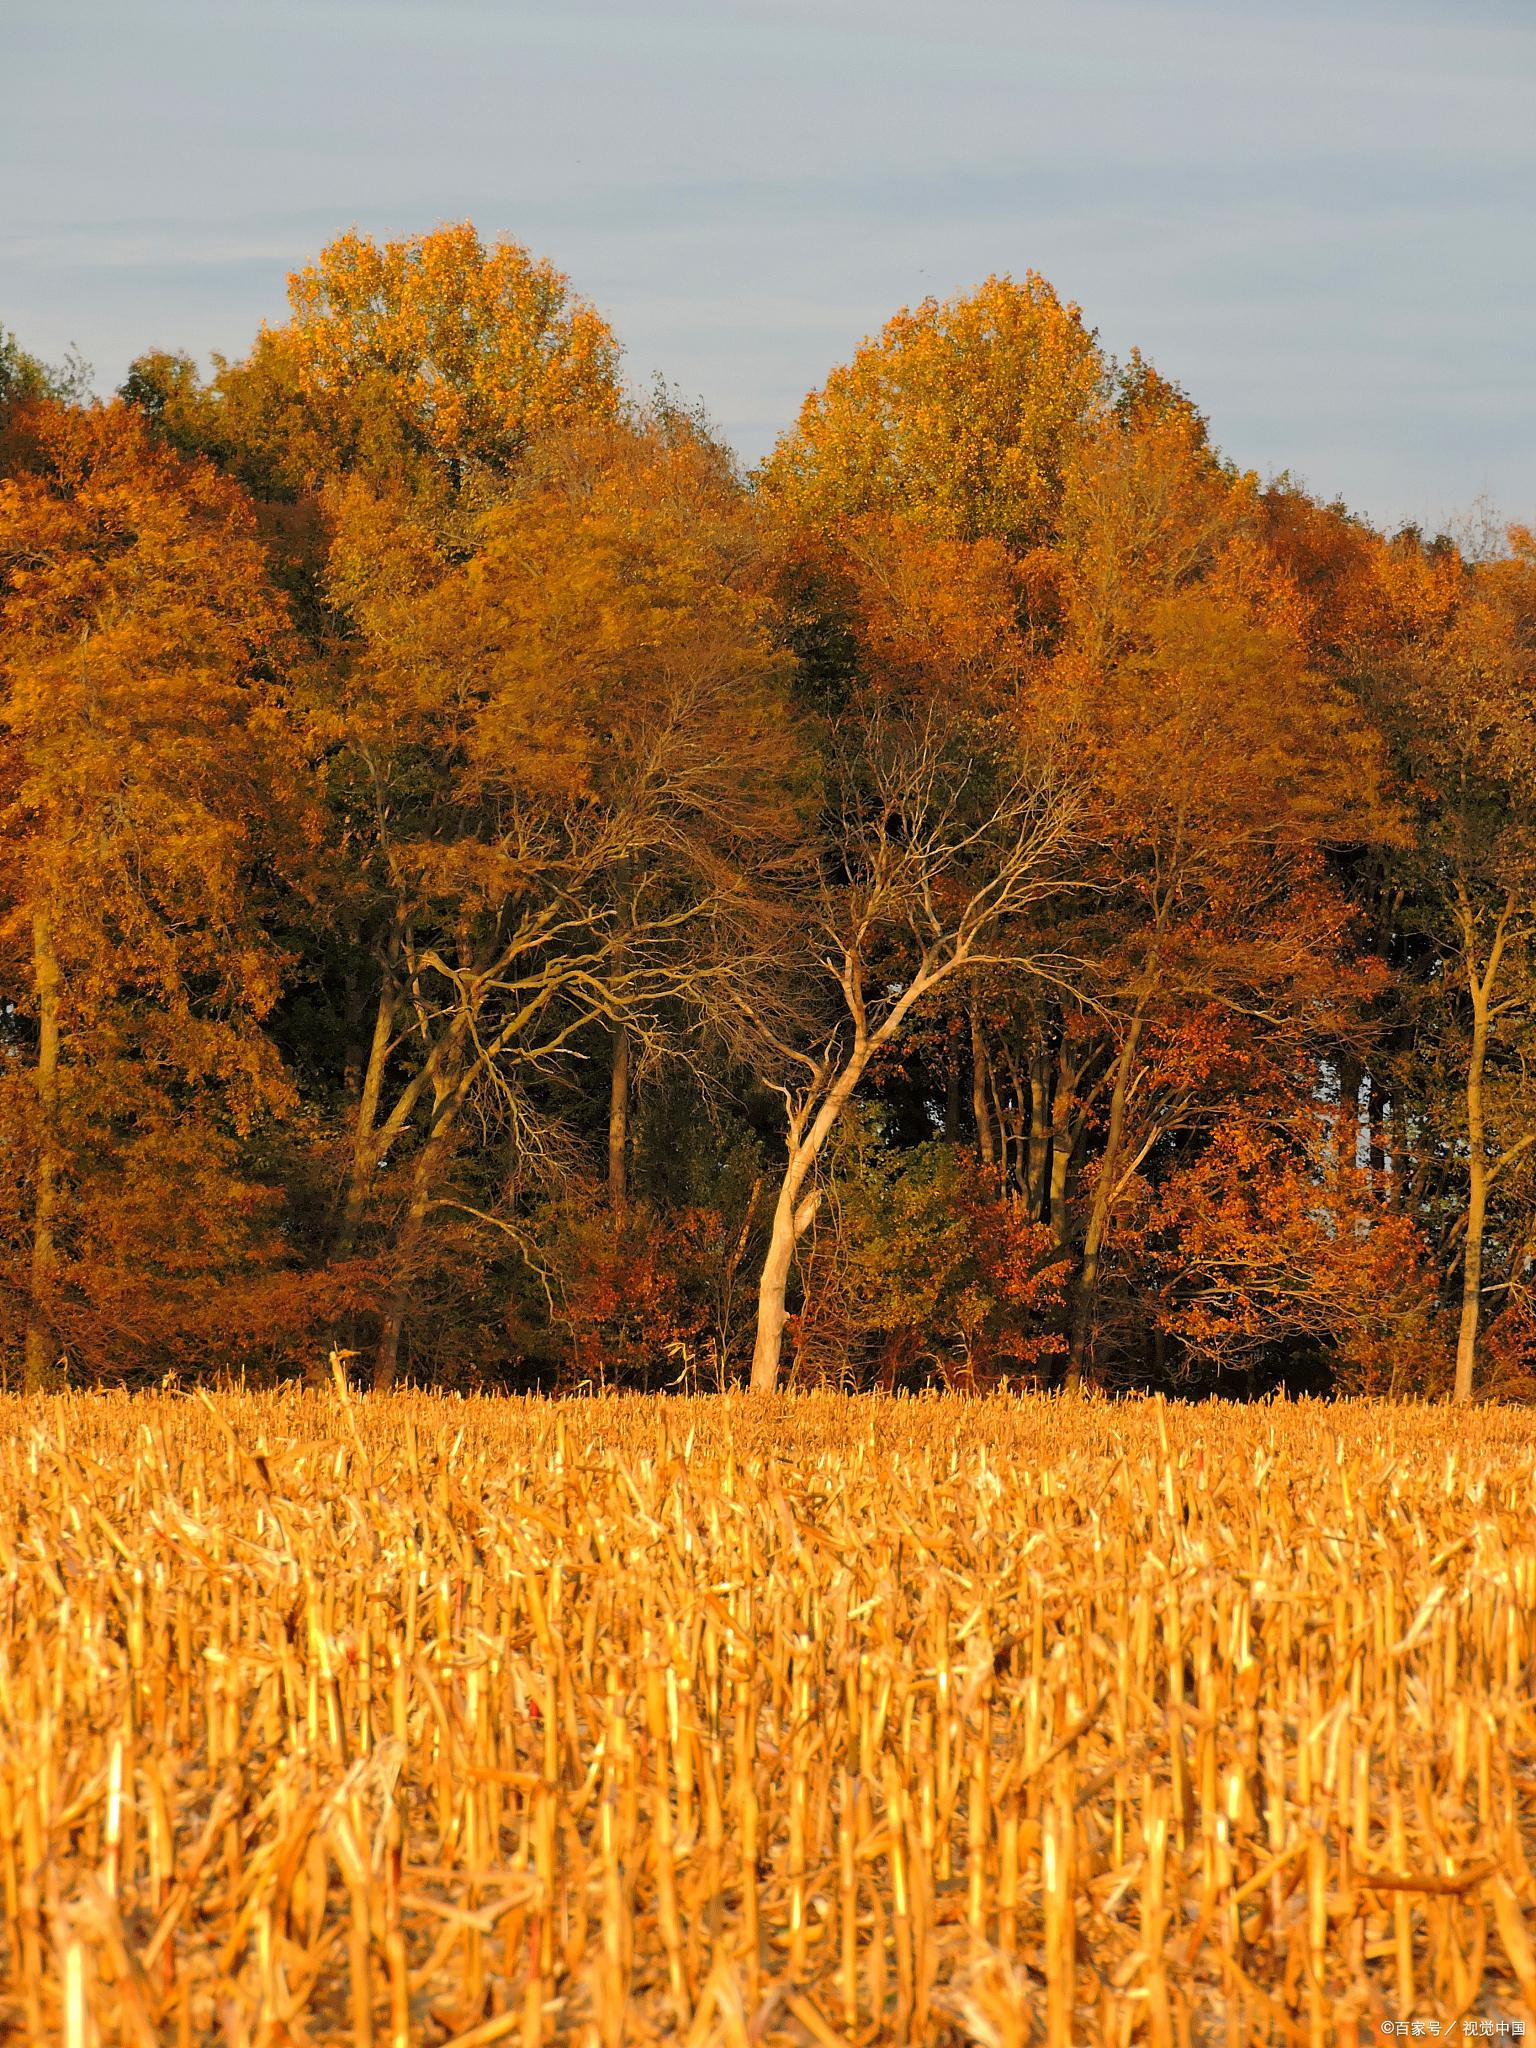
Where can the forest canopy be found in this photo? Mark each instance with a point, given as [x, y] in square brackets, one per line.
[998, 894]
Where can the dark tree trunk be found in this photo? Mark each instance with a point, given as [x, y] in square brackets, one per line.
[38, 1352]
[618, 1119]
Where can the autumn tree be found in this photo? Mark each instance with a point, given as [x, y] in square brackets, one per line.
[929, 856]
[411, 393]
[922, 1261]
[1138, 600]
[428, 363]
[144, 748]
[1443, 653]
[959, 417]
[1223, 767]
[1269, 1243]
[569, 771]
[30, 390]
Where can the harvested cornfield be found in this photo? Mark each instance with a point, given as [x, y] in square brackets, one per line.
[816, 1720]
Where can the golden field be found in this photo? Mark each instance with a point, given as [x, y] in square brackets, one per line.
[820, 1719]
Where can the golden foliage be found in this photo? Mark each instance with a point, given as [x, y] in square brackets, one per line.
[425, 359]
[957, 415]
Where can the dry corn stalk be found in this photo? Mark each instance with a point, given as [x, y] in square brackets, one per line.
[849, 1721]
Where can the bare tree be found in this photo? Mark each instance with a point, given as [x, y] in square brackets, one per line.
[563, 749]
[928, 861]
[466, 1027]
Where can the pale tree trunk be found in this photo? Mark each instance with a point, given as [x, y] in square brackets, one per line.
[38, 1354]
[773, 1284]
[986, 1142]
[792, 1212]
[1479, 1175]
[618, 1118]
[1097, 1232]
[364, 1158]
[808, 1135]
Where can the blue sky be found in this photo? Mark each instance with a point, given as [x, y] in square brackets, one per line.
[1316, 217]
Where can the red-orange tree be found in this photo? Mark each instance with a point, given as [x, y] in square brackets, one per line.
[144, 741]
[1270, 1239]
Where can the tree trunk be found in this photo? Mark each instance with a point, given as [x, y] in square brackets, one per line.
[986, 1142]
[807, 1137]
[1377, 1117]
[952, 1096]
[1008, 1119]
[1351, 1073]
[364, 1160]
[772, 1287]
[1477, 1199]
[792, 1215]
[386, 1365]
[1039, 1136]
[618, 1118]
[1061, 1146]
[38, 1354]
[1097, 1232]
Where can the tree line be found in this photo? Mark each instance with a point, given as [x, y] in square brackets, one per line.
[997, 893]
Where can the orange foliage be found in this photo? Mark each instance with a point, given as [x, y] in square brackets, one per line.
[1268, 1240]
[626, 1293]
[146, 752]
[379, 852]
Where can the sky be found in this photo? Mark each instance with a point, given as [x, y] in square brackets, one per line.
[1317, 216]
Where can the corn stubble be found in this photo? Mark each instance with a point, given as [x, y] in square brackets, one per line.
[821, 1720]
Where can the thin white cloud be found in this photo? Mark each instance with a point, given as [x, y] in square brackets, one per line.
[1316, 216]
